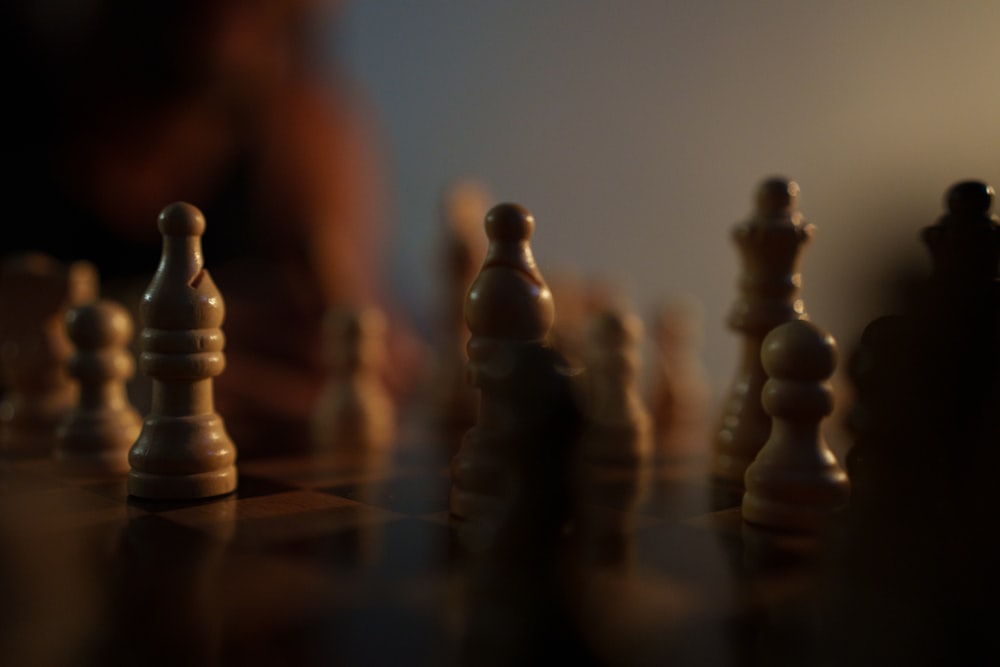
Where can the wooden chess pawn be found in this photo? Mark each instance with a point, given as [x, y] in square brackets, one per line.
[770, 244]
[183, 450]
[35, 292]
[355, 410]
[795, 484]
[103, 425]
[619, 424]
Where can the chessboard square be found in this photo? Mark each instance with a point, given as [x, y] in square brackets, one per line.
[24, 477]
[405, 548]
[409, 494]
[676, 498]
[42, 506]
[113, 488]
[252, 486]
[275, 519]
[304, 472]
[152, 540]
[249, 487]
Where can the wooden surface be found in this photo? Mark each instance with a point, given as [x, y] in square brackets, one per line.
[338, 560]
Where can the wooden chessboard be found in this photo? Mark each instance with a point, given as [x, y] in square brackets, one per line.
[331, 559]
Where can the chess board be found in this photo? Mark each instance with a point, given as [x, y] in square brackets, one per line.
[332, 558]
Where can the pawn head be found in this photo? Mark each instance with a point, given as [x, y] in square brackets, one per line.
[100, 324]
[777, 195]
[510, 223]
[181, 219]
[969, 199]
[799, 351]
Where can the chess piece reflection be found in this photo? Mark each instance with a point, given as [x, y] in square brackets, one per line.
[769, 243]
[511, 478]
[183, 571]
[103, 425]
[35, 292]
[183, 450]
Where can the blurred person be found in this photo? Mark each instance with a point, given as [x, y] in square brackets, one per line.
[119, 108]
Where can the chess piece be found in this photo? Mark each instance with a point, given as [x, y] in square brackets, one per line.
[463, 248]
[616, 447]
[511, 479]
[580, 299]
[183, 450]
[770, 244]
[795, 484]
[960, 325]
[619, 425]
[102, 427]
[355, 410]
[964, 245]
[925, 457]
[679, 391]
[35, 292]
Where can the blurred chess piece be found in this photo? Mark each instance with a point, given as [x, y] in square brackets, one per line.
[103, 425]
[453, 401]
[580, 299]
[679, 389]
[571, 291]
[354, 412]
[35, 293]
[616, 447]
[770, 244]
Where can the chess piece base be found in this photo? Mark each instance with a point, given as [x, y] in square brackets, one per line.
[182, 487]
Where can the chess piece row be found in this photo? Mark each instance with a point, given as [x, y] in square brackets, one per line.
[67, 362]
[512, 477]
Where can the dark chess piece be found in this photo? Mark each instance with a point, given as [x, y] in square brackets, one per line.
[511, 479]
[915, 539]
[511, 496]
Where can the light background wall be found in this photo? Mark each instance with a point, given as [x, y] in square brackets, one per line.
[637, 131]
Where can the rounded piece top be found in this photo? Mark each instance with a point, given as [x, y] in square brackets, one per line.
[613, 329]
[101, 324]
[800, 351]
[509, 223]
[181, 219]
[777, 195]
[969, 198]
